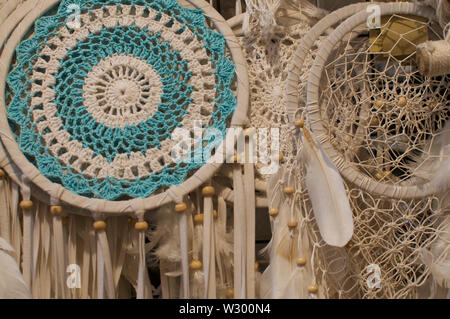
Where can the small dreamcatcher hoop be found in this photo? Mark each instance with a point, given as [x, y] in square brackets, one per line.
[295, 87]
[94, 112]
[352, 64]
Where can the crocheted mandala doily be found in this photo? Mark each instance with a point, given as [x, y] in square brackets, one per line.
[94, 102]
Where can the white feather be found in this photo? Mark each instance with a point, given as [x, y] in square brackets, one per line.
[279, 276]
[436, 160]
[166, 236]
[328, 196]
[12, 285]
[438, 257]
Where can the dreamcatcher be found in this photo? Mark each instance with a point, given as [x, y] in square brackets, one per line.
[93, 103]
[383, 125]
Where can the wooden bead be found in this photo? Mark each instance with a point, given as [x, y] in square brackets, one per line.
[402, 101]
[249, 131]
[99, 225]
[230, 293]
[313, 289]
[374, 121]
[2, 174]
[234, 159]
[379, 104]
[379, 176]
[299, 123]
[274, 212]
[279, 157]
[141, 226]
[293, 224]
[196, 265]
[301, 261]
[181, 208]
[215, 214]
[56, 210]
[26, 204]
[256, 266]
[208, 191]
[384, 174]
[198, 219]
[289, 190]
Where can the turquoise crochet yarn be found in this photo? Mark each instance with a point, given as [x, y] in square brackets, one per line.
[99, 90]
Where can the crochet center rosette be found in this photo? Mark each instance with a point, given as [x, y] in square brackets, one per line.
[99, 90]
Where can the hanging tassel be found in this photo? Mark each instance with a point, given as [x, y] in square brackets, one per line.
[12, 285]
[327, 193]
[141, 226]
[181, 209]
[224, 249]
[240, 228]
[5, 218]
[60, 253]
[118, 238]
[209, 243]
[72, 258]
[132, 264]
[250, 211]
[36, 287]
[45, 265]
[100, 272]
[16, 227]
[196, 266]
[104, 266]
[26, 205]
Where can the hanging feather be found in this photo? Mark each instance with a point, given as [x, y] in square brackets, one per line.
[327, 193]
[224, 250]
[166, 236]
[438, 257]
[12, 285]
[209, 244]
[165, 246]
[281, 277]
[436, 158]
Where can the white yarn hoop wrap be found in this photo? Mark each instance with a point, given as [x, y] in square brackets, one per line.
[317, 118]
[13, 31]
[304, 50]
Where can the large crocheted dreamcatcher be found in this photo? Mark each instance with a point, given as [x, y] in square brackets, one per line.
[99, 100]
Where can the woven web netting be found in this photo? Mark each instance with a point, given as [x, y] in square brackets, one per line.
[268, 56]
[388, 122]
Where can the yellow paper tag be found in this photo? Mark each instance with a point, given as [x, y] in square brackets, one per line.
[398, 36]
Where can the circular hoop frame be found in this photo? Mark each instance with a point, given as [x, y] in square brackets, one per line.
[303, 50]
[18, 23]
[314, 114]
